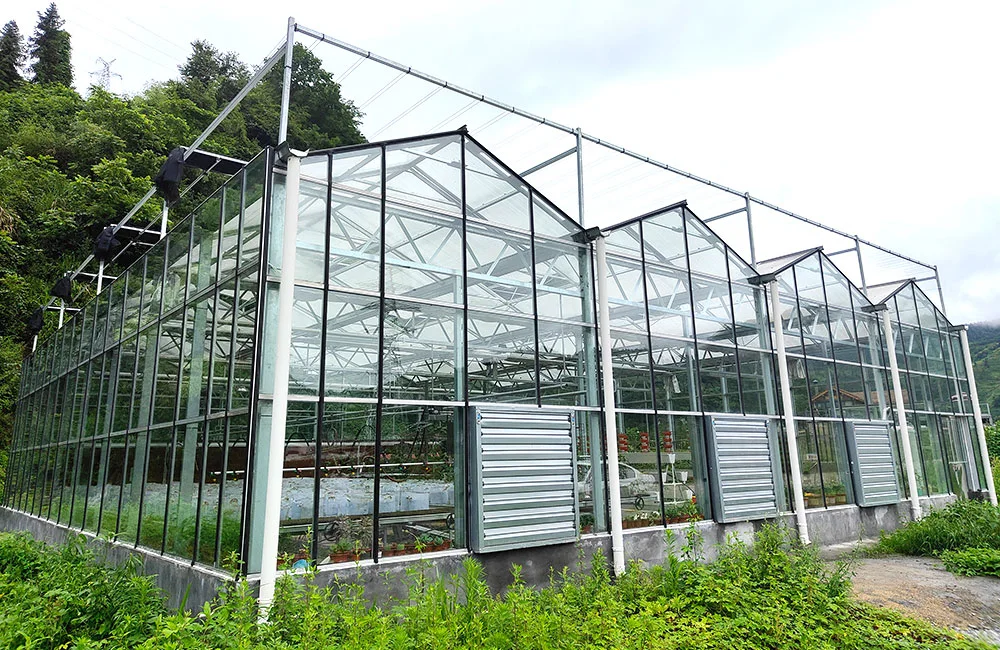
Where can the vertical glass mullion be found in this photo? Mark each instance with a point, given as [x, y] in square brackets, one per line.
[94, 328]
[320, 410]
[253, 402]
[534, 294]
[836, 380]
[381, 363]
[132, 401]
[111, 366]
[930, 395]
[652, 374]
[205, 428]
[172, 450]
[465, 460]
[909, 388]
[157, 329]
[736, 339]
[805, 365]
[223, 474]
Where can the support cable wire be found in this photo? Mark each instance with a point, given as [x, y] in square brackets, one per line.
[382, 91]
[409, 110]
[562, 127]
[347, 73]
[459, 113]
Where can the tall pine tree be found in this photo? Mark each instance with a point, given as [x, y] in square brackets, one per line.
[11, 56]
[50, 49]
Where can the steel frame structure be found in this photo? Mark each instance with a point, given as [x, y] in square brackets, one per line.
[270, 396]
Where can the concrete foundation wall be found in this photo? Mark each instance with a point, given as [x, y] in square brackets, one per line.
[183, 583]
[391, 576]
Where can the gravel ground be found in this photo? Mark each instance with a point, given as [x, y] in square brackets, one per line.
[921, 587]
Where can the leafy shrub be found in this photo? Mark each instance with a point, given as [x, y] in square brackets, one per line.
[993, 440]
[54, 598]
[973, 561]
[963, 524]
[773, 594]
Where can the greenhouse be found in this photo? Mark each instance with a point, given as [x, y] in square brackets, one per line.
[404, 347]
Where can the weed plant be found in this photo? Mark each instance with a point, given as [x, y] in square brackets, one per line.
[973, 561]
[962, 524]
[774, 594]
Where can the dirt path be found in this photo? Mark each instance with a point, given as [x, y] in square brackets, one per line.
[922, 588]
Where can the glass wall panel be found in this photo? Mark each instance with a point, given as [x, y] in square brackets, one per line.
[630, 362]
[567, 363]
[675, 375]
[347, 482]
[501, 357]
[352, 345]
[713, 313]
[757, 382]
[685, 472]
[493, 194]
[423, 349]
[932, 454]
[832, 452]
[310, 239]
[663, 240]
[560, 273]
[307, 332]
[669, 305]
[720, 392]
[809, 463]
[706, 252]
[638, 470]
[500, 270]
[852, 396]
[418, 490]
[750, 316]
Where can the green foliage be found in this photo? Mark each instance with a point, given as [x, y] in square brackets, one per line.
[50, 48]
[54, 598]
[772, 595]
[11, 56]
[973, 561]
[963, 524]
[70, 165]
[984, 348]
[993, 440]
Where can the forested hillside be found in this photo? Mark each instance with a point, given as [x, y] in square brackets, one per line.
[984, 345]
[73, 162]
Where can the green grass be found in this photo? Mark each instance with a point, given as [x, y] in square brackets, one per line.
[773, 595]
[963, 524]
[973, 561]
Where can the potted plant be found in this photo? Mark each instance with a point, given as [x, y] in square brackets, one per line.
[341, 551]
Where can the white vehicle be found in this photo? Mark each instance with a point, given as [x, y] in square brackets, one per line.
[635, 485]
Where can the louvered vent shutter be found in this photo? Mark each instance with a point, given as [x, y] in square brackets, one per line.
[525, 483]
[872, 465]
[745, 477]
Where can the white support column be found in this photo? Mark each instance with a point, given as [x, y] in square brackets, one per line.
[100, 275]
[164, 213]
[904, 431]
[798, 499]
[286, 84]
[62, 312]
[608, 388]
[977, 412]
[579, 173]
[282, 353]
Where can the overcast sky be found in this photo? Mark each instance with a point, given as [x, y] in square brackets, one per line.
[878, 118]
